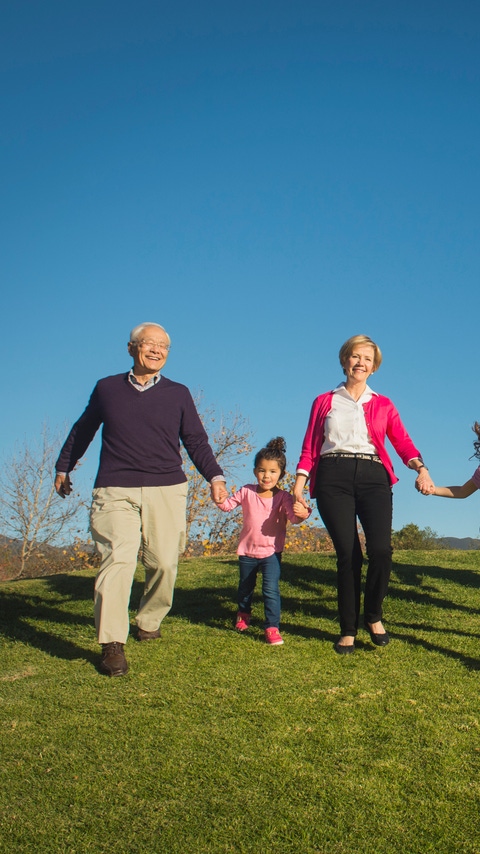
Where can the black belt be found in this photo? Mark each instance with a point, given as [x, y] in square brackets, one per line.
[372, 457]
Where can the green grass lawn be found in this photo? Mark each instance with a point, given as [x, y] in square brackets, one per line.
[216, 743]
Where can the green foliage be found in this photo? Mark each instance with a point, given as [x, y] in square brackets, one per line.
[413, 537]
[216, 744]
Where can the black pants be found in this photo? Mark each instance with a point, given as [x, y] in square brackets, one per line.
[346, 489]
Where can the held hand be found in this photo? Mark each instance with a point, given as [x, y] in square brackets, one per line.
[298, 487]
[63, 485]
[218, 491]
[424, 483]
[300, 510]
[298, 498]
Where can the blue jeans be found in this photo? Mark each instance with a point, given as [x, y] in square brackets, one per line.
[270, 569]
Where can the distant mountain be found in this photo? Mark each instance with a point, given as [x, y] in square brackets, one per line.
[464, 543]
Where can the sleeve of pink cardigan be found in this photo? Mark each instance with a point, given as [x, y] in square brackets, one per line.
[307, 454]
[399, 437]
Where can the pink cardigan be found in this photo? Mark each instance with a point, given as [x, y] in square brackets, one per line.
[382, 420]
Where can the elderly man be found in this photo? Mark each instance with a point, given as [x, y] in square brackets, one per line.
[140, 492]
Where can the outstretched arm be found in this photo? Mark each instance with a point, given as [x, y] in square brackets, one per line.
[464, 491]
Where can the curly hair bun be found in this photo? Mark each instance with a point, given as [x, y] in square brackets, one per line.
[278, 445]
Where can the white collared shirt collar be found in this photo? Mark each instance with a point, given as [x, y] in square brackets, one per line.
[364, 397]
[142, 386]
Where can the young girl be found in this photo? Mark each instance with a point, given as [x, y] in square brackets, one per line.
[266, 509]
[471, 485]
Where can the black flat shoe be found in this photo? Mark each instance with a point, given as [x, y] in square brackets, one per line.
[378, 639]
[342, 649]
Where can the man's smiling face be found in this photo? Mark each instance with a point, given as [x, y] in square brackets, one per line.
[150, 352]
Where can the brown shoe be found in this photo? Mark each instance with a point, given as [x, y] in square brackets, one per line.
[142, 635]
[113, 661]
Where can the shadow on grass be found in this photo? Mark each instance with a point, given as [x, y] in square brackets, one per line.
[216, 606]
[431, 646]
[415, 575]
[419, 587]
[307, 590]
[413, 578]
[19, 612]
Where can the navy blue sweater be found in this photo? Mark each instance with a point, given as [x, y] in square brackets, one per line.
[141, 434]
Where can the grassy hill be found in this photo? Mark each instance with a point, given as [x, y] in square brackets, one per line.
[215, 743]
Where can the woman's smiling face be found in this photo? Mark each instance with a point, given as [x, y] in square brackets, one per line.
[360, 364]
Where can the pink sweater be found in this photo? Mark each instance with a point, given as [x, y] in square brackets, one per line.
[382, 420]
[476, 477]
[264, 520]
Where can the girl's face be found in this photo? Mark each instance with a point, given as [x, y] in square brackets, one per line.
[268, 474]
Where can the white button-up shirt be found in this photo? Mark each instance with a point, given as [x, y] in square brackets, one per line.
[345, 427]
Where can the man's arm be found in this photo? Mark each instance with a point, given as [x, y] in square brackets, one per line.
[195, 441]
[76, 444]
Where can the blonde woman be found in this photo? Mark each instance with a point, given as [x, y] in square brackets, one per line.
[351, 477]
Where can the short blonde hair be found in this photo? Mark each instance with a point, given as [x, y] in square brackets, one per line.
[347, 349]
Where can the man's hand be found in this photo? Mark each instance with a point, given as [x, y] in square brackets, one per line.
[218, 491]
[63, 485]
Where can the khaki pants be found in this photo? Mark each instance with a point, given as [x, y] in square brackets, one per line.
[122, 522]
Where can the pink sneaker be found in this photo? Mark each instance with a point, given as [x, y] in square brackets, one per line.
[273, 636]
[243, 621]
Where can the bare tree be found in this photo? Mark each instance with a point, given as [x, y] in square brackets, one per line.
[29, 512]
[208, 529]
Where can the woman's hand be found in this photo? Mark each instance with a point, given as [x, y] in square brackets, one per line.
[298, 488]
[424, 482]
[301, 512]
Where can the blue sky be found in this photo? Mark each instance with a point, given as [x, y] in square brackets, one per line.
[263, 178]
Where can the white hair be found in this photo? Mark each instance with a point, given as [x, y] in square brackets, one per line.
[137, 331]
